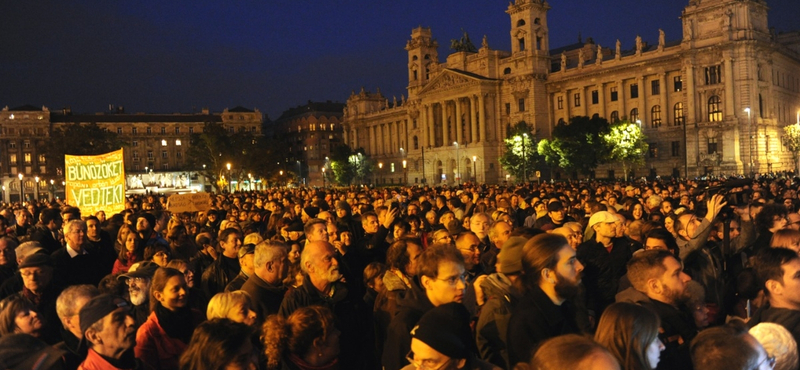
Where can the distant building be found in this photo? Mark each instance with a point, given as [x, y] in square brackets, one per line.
[312, 131]
[692, 96]
[156, 142]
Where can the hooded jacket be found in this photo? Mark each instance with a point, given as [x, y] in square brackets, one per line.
[492, 328]
[410, 309]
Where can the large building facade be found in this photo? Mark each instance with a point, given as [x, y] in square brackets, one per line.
[715, 100]
[154, 152]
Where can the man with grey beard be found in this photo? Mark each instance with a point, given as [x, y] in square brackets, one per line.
[322, 286]
[138, 281]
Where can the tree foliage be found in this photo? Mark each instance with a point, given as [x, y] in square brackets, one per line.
[520, 158]
[791, 138]
[76, 139]
[348, 166]
[626, 144]
[576, 146]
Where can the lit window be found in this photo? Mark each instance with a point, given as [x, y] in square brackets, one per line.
[678, 114]
[634, 114]
[163, 143]
[714, 109]
[655, 115]
[177, 142]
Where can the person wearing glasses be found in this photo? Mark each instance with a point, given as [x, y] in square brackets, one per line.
[440, 279]
[138, 281]
[74, 263]
[550, 279]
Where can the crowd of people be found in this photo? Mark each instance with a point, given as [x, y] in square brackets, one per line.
[571, 275]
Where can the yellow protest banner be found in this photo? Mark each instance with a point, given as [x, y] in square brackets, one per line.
[96, 182]
[191, 202]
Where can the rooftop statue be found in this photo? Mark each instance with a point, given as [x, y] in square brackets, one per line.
[464, 44]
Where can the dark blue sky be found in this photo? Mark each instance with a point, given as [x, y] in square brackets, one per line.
[178, 56]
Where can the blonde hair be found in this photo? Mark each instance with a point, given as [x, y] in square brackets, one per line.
[223, 303]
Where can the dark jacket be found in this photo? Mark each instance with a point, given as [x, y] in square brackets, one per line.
[218, 275]
[385, 307]
[789, 319]
[81, 269]
[237, 282]
[536, 318]
[492, 328]
[410, 309]
[267, 298]
[602, 271]
[44, 236]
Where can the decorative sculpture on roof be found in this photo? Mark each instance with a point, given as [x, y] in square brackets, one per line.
[464, 44]
[638, 44]
[484, 43]
[619, 50]
[563, 62]
[661, 38]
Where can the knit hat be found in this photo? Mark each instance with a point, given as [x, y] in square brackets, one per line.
[36, 260]
[295, 226]
[98, 307]
[343, 205]
[602, 217]
[311, 211]
[510, 256]
[151, 220]
[446, 329]
[23, 351]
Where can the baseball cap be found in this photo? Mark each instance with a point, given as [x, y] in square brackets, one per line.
[98, 307]
[246, 249]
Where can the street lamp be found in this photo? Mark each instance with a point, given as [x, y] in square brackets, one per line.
[21, 189]
[474, 168]
[36, 188]
[750, 129]
[458, 165]
[52, 189]
[380, 171]
[323, 177]
[405, 173]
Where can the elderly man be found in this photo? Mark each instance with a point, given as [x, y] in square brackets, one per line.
[110, 332]
[74, 263]
[322, 287]
[138, 280]
[68, 308]
[265, 284]
[247, 267]
[41, 290]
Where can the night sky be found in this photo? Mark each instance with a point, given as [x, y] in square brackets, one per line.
[180, 56]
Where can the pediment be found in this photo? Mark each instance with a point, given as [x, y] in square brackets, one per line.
[450, 79]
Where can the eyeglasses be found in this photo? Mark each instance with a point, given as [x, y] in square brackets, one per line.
[452, 281]
[770, 360]
[424, 364]
[136, 280]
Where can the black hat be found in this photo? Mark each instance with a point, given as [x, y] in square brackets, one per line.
[246, 249]
[554, 206]
[342, 205]
[36, 260]
[295, 226]
[98, 307]
[151, 220]
[446, 329]
[23, 351]
[311, 211]
[146, 269]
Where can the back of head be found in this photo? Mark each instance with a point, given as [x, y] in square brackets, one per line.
[267, 251]
[572, 351]
[646, 265]
[724, 348]
[539, 253]
[779, 344]
[221, 304]
[430, 259]
[626, 330]
[215, 344]
[296, 334]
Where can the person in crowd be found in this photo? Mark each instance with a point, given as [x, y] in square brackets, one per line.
[555, 218]
[630, 332]
[306, 339]
[659, 283]
[235, 306]
[23, 351]
[99, 241]
[163, 337]
[145, 225]
[22, 225]
[604, 259]
[551, 275]
[138, 281]
[373, 281]
[207, 252]
[769, 220]
[197, 298]
[46, 231]
[110, 332]
[18, 315]
[226, 266]
[41, 289]
[501, 296]
[220, 343]
[571, 351]
[693, 231]
[68, 308]
[131, 251]
[480, 224]
[499, 232]
[372, 247]
[265, 284]
[160, 253]
[440, 279]
[74, 263]
[786, 238]
[180, 242]
[779, 344]
[246, 256]
[729, 347]
[778, 272]
[8, 258]
[442, 339]
[695, 304]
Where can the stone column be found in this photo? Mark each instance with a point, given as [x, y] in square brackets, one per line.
[728, 104]
[623, 110]
[644, 113]
[666, 110]
[568, 98]
[601, 98]
[423, 125]
[473, 121]
[482, 117]
[431, 126]
[445, 130]
[459, 132]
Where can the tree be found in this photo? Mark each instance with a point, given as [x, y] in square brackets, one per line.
[576, 146]
[791, 138]
[76, 139]
[520, 157]
[626, 144]
[348, 166]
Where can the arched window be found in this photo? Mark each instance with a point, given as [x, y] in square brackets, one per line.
[507, 71]
[655, 116]
[536, 21]
[414, 58]
[614, 117]
[427, 56]
[522, 44]
[416, 143]
[520, 23]
[561, 121]
[634, 115]
[677, 114]
[714, 109]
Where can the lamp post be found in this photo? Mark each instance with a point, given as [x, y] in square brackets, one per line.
[36, 188]
[380, 172]
[458, 164]
[524, 160]
[323, 177]
[21, 189]
[52, 189]
[230, 182]
[474, 168]
[750, 129]
[405, 173]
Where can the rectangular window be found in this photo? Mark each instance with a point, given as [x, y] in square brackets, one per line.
[179, 154]
[165, 166]
[134, 131]
[119, 130]
[12, 158]
[577, 99]
[521, 105]
[655, 87]
[676, 148]
[12, 145]
[634, 91]
[713, 75]
[26, 144]
[560, 102]
[42, 159]
[712, 145]
[177, 130]
[614, 94]
[136, 156]
[27, 158]
[191, 130]
[149, 130]
[150, 155]
[508, 108]
[677, 83]
[163, 154]
[595, 97]
[653, 150]
[163, 130]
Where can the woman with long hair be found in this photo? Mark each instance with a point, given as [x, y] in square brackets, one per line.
[306, 339]
[17, 315]
[220, 344]
[132, 251]
[163, 337]
[630, 333]
[122, 237]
